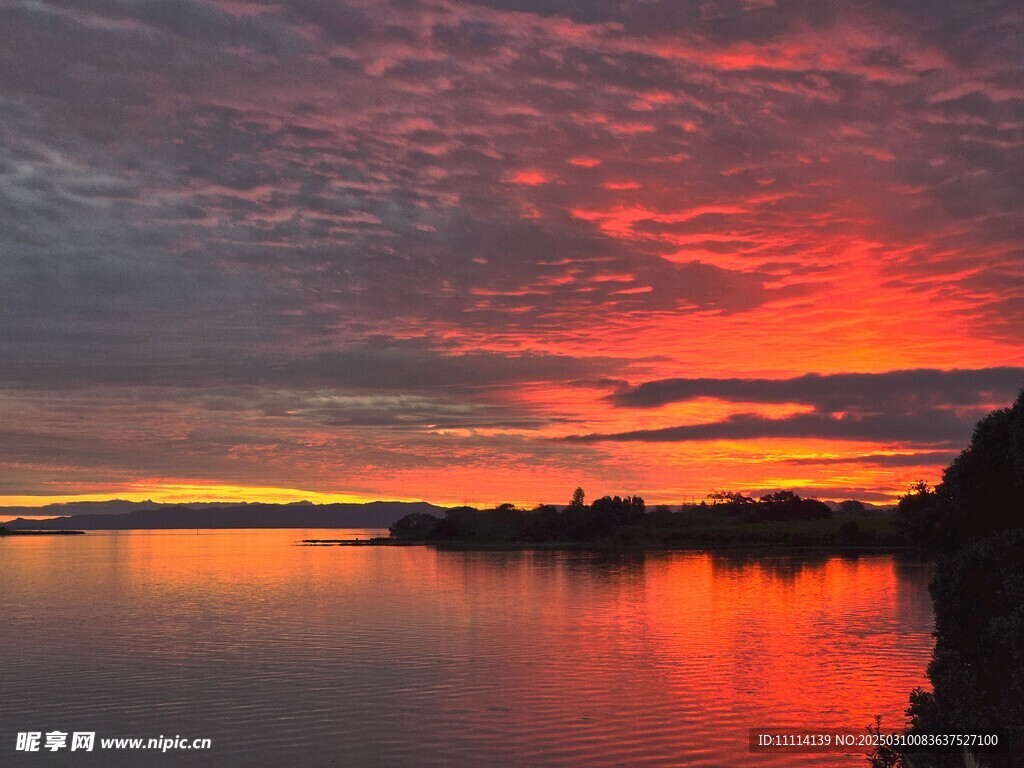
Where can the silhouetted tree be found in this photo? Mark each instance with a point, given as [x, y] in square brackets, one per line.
[730, 503]
[578, 498]
[920, 520]
[637, 509]
[729, 497]
[606, 514]
[779, 498]
[786, 505]
[545, 523]
[983, 487]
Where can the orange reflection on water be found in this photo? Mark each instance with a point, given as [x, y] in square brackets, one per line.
[310, 654]
[805, 641]
[691, 650]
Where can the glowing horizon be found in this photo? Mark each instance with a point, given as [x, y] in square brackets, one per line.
[188, 493]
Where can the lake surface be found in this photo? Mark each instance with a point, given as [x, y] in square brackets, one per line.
[289, 655]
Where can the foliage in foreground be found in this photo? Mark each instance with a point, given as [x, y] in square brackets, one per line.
[975, 521]
[977, 668]
[982, 489]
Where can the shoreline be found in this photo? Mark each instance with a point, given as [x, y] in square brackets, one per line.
[574, 546]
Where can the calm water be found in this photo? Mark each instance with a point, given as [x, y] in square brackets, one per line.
[336, 656]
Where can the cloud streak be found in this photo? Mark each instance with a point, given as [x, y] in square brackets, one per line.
[929, 428]
[861, 392]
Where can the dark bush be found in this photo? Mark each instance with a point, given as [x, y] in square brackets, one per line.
[417, 525]
[977, 671]
[786, 505]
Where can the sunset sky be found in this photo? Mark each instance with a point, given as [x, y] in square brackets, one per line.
[489, 251]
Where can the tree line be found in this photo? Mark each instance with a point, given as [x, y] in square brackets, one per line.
[606, 518]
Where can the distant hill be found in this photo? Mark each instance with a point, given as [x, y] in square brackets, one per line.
[109, 507]
[120, 506]
[376, 514]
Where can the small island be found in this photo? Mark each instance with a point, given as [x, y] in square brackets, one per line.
[726, 519]
[8, 532]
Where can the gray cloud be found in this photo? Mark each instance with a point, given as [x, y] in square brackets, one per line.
[887, 392]
[933, 427]
[919, 407]
[917, 459]
[412, 367]
[380, 363]
[396, 196]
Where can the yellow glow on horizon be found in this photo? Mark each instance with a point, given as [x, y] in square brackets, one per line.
[195, 493]
[183, 493]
